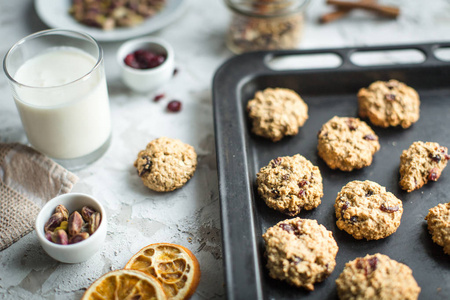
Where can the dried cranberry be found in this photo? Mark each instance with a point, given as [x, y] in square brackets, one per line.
[370, 137]
[303, 183]
[369, 193]
[354, 219]
[389, 209]
[175, 71]
[158, 97]
[300, 194]
[434, 174]
[130, 60]
[287, 227]
[350, 124]
[344, 208]
[368, 265]
[147, 167]
[447, 157]
[390, 97]
[174, 106]
[436, 157]
[276, 162]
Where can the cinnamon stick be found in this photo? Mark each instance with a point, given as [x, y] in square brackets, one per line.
[388, 11]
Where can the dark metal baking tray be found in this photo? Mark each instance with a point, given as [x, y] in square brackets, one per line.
[327, 92]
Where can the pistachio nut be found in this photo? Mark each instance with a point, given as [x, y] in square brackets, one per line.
[62, 209]
[60, 237]
[75, 223]
[86, 212]
[64, 225]
[78, 237]
[48, 236]
[54, 221]
[94, 222]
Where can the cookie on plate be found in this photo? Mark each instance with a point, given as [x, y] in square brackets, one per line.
[389, 103]
[422, 162]
[376, 277]
[166, 164]
[289, 184]
[276, 113]
[365, 209]
[438, 220]
[300, 252]
[347, 143]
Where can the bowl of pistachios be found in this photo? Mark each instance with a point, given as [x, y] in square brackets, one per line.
[71, 227]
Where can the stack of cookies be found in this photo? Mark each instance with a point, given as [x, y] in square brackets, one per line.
[301, 251]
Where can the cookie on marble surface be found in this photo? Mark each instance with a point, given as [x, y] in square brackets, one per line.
[422, 162]
[376, 277]
[365, 209]
[389, 103]
[166, 164]
[438, 220]
[300, 252]
[289, 184]
[276, 113]
[347, 143]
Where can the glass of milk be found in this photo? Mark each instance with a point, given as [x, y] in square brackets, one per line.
[58, 83]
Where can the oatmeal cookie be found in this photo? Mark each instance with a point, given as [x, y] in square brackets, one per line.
[347, 143]
[422, 162]
[166, 164]
[300, 252]
[365, 210]
[376, 277]
[276, 113]
[438, 220]
[289, 184]
[389, 103]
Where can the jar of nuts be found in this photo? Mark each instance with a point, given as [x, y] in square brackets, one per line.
[265, 24]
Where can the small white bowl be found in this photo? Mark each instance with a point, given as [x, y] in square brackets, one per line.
[145, 80]
[74, 253]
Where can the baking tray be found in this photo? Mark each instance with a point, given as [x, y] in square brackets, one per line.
[328, 92]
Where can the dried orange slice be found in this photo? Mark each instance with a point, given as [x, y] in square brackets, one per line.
[173, 265]
[125, 284]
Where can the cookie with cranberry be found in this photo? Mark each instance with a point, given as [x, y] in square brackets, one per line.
[421, 163]
[365, 209]
[389, 103]
[289, 184]
[377, 277]
[166, 164]
[276, 113]
[347, 143]
[438, 220]
[300, 252]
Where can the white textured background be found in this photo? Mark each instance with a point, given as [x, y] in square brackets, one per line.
[190, 216]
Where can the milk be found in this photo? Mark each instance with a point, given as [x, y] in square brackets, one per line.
[63, 116]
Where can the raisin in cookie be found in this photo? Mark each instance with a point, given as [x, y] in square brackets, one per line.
[438, 219]
[300, 252]
[421, 163]
[290, 183]
[276, 113]
[166, 164]
[365, 210]
[347, 143]
[376, 277]
[390, 103]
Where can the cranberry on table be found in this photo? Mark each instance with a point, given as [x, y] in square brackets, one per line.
[144, 59]
[174, 106]
[158, 97]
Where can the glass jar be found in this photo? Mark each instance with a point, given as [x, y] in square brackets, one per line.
[265, 24]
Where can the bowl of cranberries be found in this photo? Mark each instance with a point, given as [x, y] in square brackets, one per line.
[146, 63]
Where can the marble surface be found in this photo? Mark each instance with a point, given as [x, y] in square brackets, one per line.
[191, 215]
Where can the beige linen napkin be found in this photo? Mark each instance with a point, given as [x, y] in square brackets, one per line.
[28, 180]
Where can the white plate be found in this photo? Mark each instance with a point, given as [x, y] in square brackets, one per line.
[55, 13]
